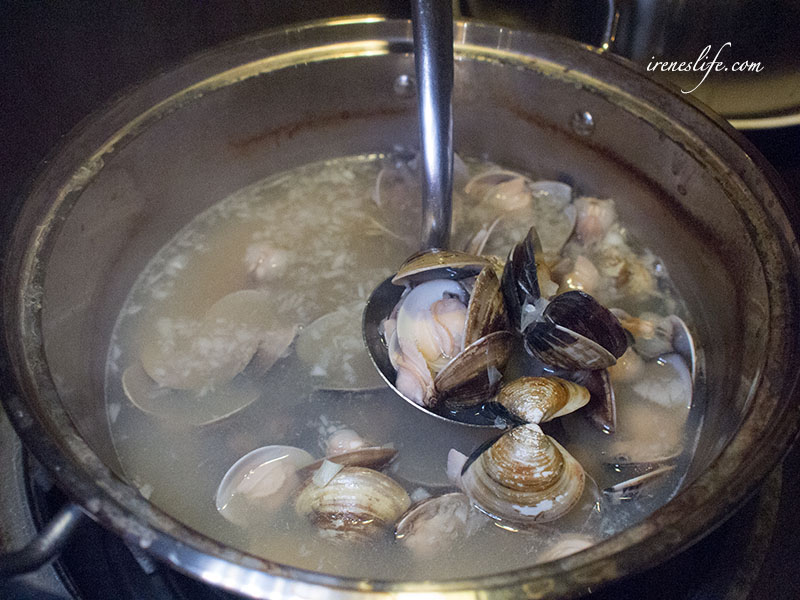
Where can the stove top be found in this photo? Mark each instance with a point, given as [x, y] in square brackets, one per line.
[58, 66]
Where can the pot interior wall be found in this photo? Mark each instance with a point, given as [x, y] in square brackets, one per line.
[176, 164]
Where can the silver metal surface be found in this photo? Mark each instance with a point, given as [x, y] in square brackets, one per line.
[433, 58]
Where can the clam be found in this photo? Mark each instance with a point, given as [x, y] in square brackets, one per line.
[571, 331]
[628, 367]
[372, 457]
[602, 408]
[448, 335]
[525, 477]
[191, 354]
[265, 262]
[540, 399]
[274, 345]
[260, 482]
[666, 382]
[582, 275]
[396, 194]
[439, 264]
[522, 201]
[333, 350]
[433, 525]
[594, 219]
[188, 407]
[655, 335]
[342, 441]
[356, 504]
[574, 331]
[495, 187]
[648, 432]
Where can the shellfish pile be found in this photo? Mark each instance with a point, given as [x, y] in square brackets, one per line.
[515, 342]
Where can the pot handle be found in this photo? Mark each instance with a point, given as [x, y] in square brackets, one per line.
[610, 29]
[47, 544]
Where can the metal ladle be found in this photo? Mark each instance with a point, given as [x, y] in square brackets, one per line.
[433, 60]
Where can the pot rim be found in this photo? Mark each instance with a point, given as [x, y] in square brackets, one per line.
[48, 431]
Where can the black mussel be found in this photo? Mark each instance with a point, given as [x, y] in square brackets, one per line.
[520, 282]
[602, 408]
[576, 332]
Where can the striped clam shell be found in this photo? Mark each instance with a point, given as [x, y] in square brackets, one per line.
[523, 478]
[357, 504]
[540, 399]
[576, 332]
[439, 264]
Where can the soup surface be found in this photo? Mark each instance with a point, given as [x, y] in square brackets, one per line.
[245, 332]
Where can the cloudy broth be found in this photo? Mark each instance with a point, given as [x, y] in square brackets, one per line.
[338, 235]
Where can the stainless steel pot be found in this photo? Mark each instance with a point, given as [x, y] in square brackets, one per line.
[646, 31]
[130, 177]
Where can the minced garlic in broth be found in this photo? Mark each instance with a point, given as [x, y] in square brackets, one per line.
[336, 244]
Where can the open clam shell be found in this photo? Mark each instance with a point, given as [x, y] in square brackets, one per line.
[439, 264]
[521, 201]
[447, 340]
[473, 376]
[655, 336]
[374, 457]
[356, 504]
[576, 332]
[486, 312]
[602, 409]
[187, 407]
[520, 283]
[260, 482]
[525, 477]
[333, 349]
[435, 524]
[540, 399]
[190, 354]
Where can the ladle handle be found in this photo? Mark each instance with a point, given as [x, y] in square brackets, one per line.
[432, 22]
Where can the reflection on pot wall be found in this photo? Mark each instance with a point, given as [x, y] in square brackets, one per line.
[755, 43]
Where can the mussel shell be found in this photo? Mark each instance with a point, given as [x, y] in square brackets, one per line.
[439, 264]
[357, 504]
[525, 477]
[540, 399]
[486, 312]
[576, 332]
[520, 283]
[602, 409]
[473, 376]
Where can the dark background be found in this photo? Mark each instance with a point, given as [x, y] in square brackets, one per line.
[61, 61]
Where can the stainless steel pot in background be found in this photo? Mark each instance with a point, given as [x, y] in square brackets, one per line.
[675, 30]
[135, 174]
